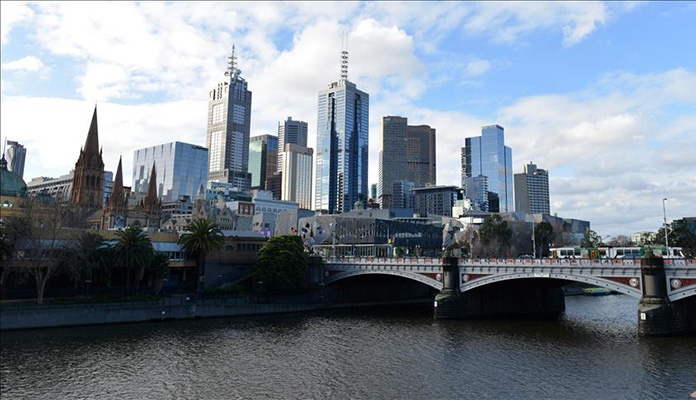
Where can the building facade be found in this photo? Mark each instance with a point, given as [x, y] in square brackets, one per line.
[263, 159]
[487, 156]
[181, 169]
[407, 152]
[436, 200]
[342, 146]
[297, 175]
[87, 189]
[15, 155]
[229, 127]
[290, 131]
[532, 190]
[402, 194]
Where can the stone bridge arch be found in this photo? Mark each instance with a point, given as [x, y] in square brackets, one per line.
[594, 281]
[426, 280]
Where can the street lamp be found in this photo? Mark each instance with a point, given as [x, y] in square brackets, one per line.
[664, 215]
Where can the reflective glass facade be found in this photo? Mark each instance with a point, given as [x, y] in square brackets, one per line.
[342, 147]
[487, 156]
[181, 169]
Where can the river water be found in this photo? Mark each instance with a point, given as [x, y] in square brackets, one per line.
[593, 352]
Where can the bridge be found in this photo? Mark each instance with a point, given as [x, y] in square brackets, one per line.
[657, 282]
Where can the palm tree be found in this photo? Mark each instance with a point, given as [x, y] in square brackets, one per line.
[133, 251]
[201, 237]
[158, 270]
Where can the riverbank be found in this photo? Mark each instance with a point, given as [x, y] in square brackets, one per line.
[13, 317]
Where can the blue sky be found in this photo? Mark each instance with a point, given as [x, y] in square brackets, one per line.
[603, 95]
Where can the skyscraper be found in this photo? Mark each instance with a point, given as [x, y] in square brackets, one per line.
[487, 156]
[342, 145]
[297, 175]
[181, 168]
[290, 131]
[229, 125]
[406, 152]
[263, 159]
[532, 190]
[15, 157]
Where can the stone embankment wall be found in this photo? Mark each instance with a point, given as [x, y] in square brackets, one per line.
[24, 317]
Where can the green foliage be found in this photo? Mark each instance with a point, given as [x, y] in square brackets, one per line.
[81, 259]
[281, 265]
[133, 252]
[543, 231]
[494, 229]
[679, 236]
[201, 237]
[591, 239]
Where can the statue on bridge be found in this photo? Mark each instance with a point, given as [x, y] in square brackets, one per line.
[452, 233]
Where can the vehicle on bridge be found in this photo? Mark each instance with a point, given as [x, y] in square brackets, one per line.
[615, 252]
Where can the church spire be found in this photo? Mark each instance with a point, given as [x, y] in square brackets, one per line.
[92, 142]
[152, 183]
[117, 194]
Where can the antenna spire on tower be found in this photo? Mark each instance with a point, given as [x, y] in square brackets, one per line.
[232, 65]
[344, 59]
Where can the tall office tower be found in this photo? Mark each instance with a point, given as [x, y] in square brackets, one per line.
[15, 155]
[392, 157]
[342, 145]
[532, 190]
[297, 175]
[263, 159]
[87, 189]
[373, 191]
[229, 125]
[476, 190]
[420, 155]
[406, 153]
[487, 156]
[181, 168]
[290, 131]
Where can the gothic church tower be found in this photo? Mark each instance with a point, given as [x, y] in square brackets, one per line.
[88, 180]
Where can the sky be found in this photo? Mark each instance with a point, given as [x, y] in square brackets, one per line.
[600, 94]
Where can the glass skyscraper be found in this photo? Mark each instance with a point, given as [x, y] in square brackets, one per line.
[181, 169]
[487, 156]
[342, 147]
[15, 156]
[229, 126]
[263, 159]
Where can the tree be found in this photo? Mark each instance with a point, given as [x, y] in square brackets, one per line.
[157, 270]
[281, 265]
[543, 231]
[680, 235]
[133, 252]
[591, 239]
[494, 237]
[81, 258]
[201, 237]
[620, 241]
[35, 241]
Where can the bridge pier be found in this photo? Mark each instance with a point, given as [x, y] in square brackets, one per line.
[449, 303]
[657, 315]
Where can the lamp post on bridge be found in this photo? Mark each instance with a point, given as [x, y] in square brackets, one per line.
[664, 215]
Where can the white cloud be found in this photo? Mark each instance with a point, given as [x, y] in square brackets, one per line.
[510, 22]
[28, 64]
[12, 13]
[477, 67]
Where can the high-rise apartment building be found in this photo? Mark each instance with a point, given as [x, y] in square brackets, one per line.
[532, 190]
[263, 159]
[406, 152]
[229, 126]
[297, 175]
[342, 145]
[15, 155]
[487, 156]
[181, 168]
[290, 131]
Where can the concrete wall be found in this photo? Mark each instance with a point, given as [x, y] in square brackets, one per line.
[22, 317]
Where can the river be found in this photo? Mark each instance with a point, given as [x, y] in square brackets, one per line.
[379, 353]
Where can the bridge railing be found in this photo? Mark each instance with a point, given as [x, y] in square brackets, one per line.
[540, 262]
